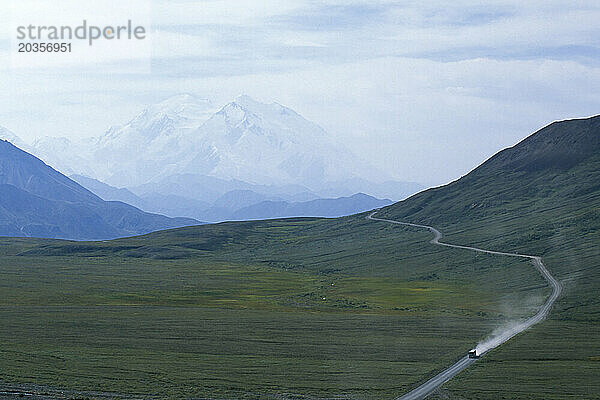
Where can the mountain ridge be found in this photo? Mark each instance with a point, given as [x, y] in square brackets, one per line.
[36, 200]
[329, 208]
[519, 172]
[238, 204]
[244, 140]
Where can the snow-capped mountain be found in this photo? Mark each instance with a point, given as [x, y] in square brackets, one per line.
[270, 143]
[245, 140]
[151, 145]
[185, 143]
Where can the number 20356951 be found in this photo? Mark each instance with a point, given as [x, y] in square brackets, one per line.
[36, 47]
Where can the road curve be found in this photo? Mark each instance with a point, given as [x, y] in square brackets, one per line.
[432, 384]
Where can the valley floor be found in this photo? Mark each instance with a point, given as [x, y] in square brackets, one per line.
[267, 309]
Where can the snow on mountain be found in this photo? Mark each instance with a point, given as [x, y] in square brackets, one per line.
[245, 140]
[5, 134]
[271, 144]
[152, 144]
[64, 155]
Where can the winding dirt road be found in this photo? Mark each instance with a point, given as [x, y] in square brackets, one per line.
[432, 384]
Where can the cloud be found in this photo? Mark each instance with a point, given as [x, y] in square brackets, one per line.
[425, 89]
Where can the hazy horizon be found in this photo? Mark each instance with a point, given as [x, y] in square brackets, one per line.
[433, 91]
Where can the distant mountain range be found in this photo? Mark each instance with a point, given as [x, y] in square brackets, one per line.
[338, 207]
[238, 204]
[36, 200]
[245, 143]
[184, 158]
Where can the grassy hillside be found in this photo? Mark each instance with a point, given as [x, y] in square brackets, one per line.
[323, 308]
[303, 306]
[540, 197]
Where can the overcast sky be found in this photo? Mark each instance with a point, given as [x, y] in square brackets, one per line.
[425, 89]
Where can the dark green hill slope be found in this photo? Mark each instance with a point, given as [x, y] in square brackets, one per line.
[541, 197]
[556, 166]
